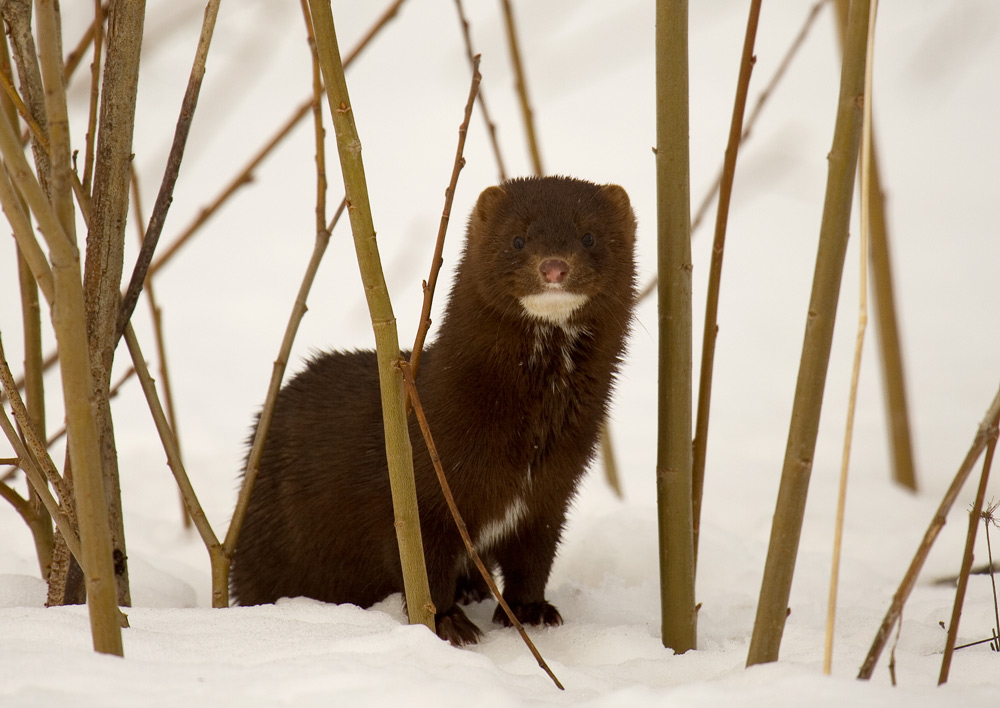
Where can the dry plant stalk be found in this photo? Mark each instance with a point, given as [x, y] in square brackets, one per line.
[963, 576]
[711, 329]
[673, 450]
[69, 320]
[102, 275]
[463, 531]
[786, 529]
[398, 451]
[986, 430]
[897, 410]
[430, 284]
[491, 128]
[865, 173]
[522, 89]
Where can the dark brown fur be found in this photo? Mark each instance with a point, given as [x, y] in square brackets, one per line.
[514, 403]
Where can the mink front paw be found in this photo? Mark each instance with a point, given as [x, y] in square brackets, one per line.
[533, 613]
[455, 627]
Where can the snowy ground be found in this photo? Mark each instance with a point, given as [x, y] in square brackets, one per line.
[227, 295]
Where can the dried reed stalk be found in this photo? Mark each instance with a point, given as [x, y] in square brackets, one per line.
[786, 529]
[398, 451]
[711, 329]
[865, 173]
[673, 451]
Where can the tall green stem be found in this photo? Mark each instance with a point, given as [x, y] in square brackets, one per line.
[786, 527]
[673, 454]
[397, 439]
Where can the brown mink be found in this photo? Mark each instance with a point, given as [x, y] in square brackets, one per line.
[515, 388]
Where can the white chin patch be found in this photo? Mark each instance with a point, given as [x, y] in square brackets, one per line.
[553, 306]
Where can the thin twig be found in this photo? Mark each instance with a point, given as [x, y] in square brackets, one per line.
[711, 330]
[172, 171]
[449, 194]
[411, 388]
[490, 126]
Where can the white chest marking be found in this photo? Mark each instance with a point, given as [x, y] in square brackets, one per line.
[553, 305]
[496, 530]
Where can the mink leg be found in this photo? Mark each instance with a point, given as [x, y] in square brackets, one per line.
[526, 560]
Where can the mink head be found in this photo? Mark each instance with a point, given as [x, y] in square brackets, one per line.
[553, 249]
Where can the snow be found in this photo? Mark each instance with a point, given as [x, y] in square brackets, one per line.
[227, 295]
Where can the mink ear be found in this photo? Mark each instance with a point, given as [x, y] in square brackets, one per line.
[619, 201]
[617, 197]
[488, 203]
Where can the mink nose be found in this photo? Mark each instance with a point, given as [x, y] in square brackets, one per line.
[554, 270]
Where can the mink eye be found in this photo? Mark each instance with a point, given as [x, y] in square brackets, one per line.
[518, 243]
[587, 240]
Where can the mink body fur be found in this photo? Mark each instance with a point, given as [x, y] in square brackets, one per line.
[515, 389]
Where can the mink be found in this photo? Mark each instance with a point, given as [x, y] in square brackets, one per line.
[515, 388]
